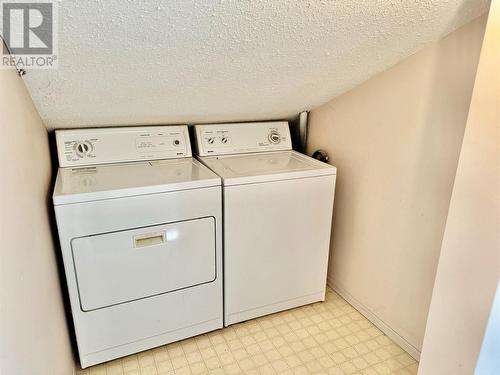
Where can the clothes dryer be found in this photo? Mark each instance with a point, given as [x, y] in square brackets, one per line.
[140, 227]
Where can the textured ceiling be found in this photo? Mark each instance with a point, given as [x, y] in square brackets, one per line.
[140, 62]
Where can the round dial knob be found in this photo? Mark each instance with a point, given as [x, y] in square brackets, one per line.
[83, 148]
[210, 140]
[224, 140]
[274, 137]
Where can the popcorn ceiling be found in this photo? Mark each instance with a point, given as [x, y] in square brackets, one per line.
[126, 62]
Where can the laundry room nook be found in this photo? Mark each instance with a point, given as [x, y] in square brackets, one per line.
[250, 187]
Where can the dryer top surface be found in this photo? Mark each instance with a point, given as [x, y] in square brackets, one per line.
[109, 181]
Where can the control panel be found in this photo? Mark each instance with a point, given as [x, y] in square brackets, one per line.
[238, 138]
[79, 147]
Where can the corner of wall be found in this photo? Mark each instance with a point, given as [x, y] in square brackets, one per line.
[34, 335]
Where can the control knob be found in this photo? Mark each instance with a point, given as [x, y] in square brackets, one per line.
[83, 148]
[274, 137]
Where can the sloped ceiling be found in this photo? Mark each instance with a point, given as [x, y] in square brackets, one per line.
[151, 61]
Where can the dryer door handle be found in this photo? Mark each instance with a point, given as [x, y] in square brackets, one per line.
[149, 239]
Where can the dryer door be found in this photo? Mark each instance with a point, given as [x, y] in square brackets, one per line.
[118, 267]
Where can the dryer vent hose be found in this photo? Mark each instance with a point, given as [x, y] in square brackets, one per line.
[320, 155]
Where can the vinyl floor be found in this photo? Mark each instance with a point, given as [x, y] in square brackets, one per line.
[329, 337]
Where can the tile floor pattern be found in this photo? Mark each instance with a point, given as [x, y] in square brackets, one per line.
[324, 338]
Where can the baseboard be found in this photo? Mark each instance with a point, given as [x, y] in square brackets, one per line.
[380, 324]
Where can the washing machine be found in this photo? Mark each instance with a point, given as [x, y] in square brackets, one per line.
[277, 217]
[139, 223]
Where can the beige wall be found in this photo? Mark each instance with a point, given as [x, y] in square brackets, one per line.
[33, 331]
[395, 141]
[469, 265]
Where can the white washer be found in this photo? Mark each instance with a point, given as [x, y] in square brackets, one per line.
[277, 217]
[141, 240]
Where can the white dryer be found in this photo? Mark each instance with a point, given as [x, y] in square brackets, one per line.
[277, 217]
[139, 224]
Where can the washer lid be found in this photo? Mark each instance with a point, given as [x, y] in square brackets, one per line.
[74, 185]
[264, 167]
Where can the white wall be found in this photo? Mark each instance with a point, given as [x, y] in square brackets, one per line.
[396, 140]
[469, 265]
[33, 330]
